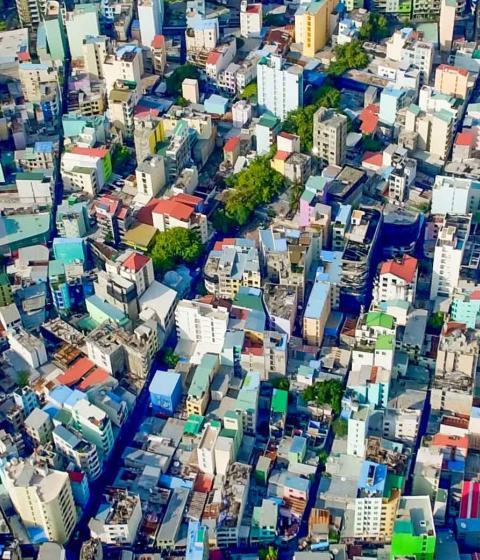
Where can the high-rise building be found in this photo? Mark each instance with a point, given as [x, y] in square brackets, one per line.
[448, 255]
[312, 25]
[42, 498]
[329, 136]
[448, 10]
[251, 19]
[30, 12]
[81, 23]
[200, 321]
[150, 15]
[55, 31]
[280, 85]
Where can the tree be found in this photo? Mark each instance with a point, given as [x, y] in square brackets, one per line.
[435, 321]
[322, 456]
[182, 102]
[281, 383]
[250, 91]
[175, 80]
[23, 378]
[375, 29]
[295, 194]
[348, 56]
[221, 222]
[322, 393]
[300, 121]
[174, 246]
[269, 553]
[256, 185]
[170, 358]
[340, 427]
[370, 144]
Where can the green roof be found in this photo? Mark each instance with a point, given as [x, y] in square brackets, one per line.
[194, 424]
[444, 115]
[203, 374]
[268, 120]
[4, 281]
[384, 342]
[414, 108]
[32, 175]
[379, 319]
[249, 301]
[280, 401]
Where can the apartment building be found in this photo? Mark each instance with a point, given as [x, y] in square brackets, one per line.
[199, 392]
[251, 19]
[200, 321]
[451, 80]
[313, 27]
[42, 498]
[150, 15]
[455, 195]
[231, 264]
[118, 518]
[206, 448]
[94, 425]
[75, 448]
[397, 280]
[316, 312]
[150, 175]
[29, 347]
[329, 136]
[448, 255]
[181, 210]
[280, 86]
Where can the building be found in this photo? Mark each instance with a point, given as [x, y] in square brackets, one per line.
[251, 19]
[374, 513]
[114, 218]
[190, 90]
[181, 210]
[414, 530]
[201, 322]
[448, 11]
[29, 347]
[150, 175]
[466, 308]
[165, 392]
[86, 169]
[94, 425]
[55, 31]
[231, 264]
[313, 26]
[150, 15]
[316, 313]
[82, 453]
[72, 218]
[266, 130]
[397, 280]
[280, 86]
[455, 195]
[359, 253]
[39, 426]
[81, 23]
[448, 255]
[42, 498]
[159, 55]
[358, 430]
[199, 391]
[329, 136]
[451, 80]
[206, 448]
[197, 541]
[118, 518]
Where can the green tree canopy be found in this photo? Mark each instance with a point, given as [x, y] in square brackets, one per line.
[322, 393]
[174, 246]
[170, 358]
[175, 80]
[250, 91]
[348, 56]
[300, 121]
[340, 427]
[281, 383]
[375, 28]
[23, 378]
[255, 185]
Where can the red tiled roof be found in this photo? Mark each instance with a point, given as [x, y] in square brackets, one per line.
[464, 139]
[254, 9]
[158, 41]
[475, 295]
[92, 152]
[373, 158]
[453, 326]
[287, 135]
[135, 261]
[369, 118]
[449, 68]
[446, 440]
[213, 57]
[404, 269]
[23, 56]
[173, 208]
[231, 144]
[76, 476]
[96, 377]
[144, 215]
[281, 155]
[76, 371]
[189, 199]
[227, 241]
